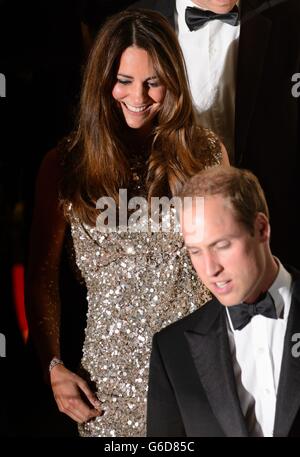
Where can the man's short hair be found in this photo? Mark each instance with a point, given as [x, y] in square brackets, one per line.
[240, 186]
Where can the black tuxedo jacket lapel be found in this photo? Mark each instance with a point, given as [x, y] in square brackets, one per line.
[253, 43]
[165, 7]
[288, 396]
[209, 346]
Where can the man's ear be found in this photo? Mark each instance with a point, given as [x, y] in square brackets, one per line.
[262, 227]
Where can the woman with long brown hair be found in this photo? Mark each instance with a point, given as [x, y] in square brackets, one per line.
[136, 134]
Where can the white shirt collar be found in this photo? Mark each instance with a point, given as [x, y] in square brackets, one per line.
[181, 5]
[179, 17]
[280, 291]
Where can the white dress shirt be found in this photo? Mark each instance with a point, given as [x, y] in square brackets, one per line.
[211, 57]
[256, 352]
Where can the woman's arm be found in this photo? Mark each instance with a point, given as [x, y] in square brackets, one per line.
[46, 240]
[42, 292]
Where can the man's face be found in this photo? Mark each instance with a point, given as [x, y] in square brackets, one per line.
[228, 259]
[217, 6]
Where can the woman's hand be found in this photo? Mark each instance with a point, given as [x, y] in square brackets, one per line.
[69, 391]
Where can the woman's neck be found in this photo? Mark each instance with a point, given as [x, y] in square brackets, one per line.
[139, 143]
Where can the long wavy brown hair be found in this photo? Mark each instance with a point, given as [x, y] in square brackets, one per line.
[98, 161]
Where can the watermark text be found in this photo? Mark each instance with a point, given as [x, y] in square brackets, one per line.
[2, 85]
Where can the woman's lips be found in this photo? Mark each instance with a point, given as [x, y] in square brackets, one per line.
[136, 109]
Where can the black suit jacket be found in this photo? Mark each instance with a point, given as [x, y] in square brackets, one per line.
[267, 125]
[192, 388]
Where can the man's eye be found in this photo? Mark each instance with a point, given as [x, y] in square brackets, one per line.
[223, 245]
[194, 251]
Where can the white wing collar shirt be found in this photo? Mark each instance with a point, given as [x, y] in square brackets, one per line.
[256, 352]
[211, 57]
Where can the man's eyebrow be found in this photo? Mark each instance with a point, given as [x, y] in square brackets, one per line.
[190, 246]
[213, 243]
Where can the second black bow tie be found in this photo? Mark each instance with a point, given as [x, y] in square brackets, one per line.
[242, 314]
[195, 17]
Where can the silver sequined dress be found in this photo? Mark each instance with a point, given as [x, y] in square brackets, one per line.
[137, 283]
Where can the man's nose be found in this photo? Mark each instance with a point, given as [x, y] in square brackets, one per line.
[212, 265]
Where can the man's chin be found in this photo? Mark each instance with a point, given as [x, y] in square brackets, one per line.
[229, 300]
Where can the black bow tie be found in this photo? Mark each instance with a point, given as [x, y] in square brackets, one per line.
[242, 314]
[195, 17]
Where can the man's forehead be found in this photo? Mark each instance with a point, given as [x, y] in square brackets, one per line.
[207, 218]
[197, 205]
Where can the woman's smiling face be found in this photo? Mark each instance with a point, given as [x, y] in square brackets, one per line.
[138, 90]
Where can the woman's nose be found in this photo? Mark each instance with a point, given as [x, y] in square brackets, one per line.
[139, 93]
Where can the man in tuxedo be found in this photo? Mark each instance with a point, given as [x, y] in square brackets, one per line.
[231, 368]
[240, 72]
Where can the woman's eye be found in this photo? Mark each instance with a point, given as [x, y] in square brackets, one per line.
[156, 84]
[124, 81]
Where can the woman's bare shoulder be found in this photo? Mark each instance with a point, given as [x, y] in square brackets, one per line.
[208, 147]
[52, 164]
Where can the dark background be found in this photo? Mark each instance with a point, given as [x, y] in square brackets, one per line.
[43, 48]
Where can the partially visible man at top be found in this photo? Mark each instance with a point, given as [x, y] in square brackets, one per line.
[210, 48]
[240, 70]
